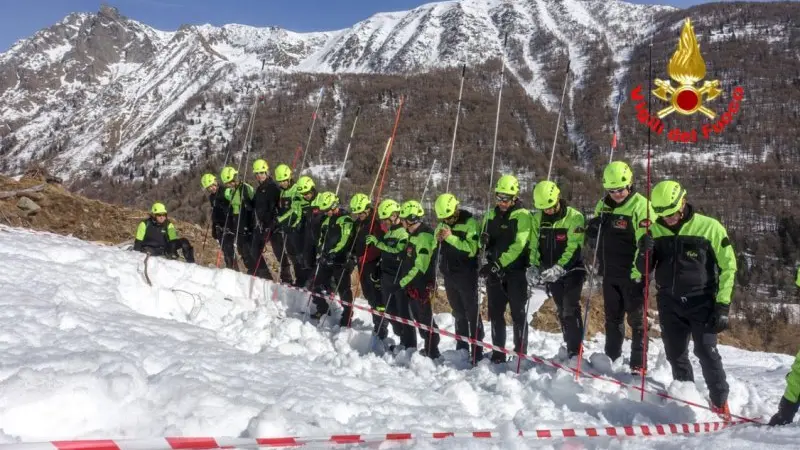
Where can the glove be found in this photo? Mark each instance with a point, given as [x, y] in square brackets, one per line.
[552, 274]
[646, 243]
[532, 275]
[216, 232]
[371, 240]
[719, 318]
[785, 414]
[492, 268]
[351, 263]
[325, 260]
[484, 239]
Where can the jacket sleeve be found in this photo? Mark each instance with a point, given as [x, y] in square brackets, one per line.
[575, 235]
[643, 216]
[469, 244]
[533, 245]
[172, 233]
[797, 279]
[792, 392]
[345, 230]
[141, 230]
[424, 246]
[726, 261]
[402, 237]
[522, 217]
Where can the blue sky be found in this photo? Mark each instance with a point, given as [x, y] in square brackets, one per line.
[22, 18]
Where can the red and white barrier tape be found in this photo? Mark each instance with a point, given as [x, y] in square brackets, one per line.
[533, 358]
[207, 443]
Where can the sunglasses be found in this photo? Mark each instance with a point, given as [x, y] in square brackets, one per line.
[504, 198]
[617, 191]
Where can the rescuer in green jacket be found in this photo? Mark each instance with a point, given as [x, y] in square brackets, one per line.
[787, 408]
[621, 217]
[694, 266]
[157, 236]
[557, 232]
[507, 228]
[418, 273]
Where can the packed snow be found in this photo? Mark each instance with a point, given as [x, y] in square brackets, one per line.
[90, 350]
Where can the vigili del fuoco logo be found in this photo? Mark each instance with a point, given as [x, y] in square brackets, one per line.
[686, 68]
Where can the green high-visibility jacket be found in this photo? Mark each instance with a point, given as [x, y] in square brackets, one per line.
[557, 239]
[508, 235]
[459, 251]
[416, 269]
[235, 197]
[391, 244]
[623, 225]
[792, 392]
[696, 259]
[336, 235]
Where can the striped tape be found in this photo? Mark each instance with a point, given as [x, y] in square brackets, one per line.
[206, 443]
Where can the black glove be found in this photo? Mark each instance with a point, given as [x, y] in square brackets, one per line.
[719, 318]
[593, 227]
[325, 260]
[484, 239]
[216, 232]
[785, 414]
[492, 268]
[646, 243]
[351, 263]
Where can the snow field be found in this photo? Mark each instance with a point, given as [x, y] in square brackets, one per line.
[89, 350]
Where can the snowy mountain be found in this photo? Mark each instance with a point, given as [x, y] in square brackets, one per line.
[90, 92]
[90, 350]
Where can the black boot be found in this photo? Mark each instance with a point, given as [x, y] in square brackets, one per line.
[785, 414]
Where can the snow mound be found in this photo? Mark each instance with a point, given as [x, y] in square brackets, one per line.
[89, 350]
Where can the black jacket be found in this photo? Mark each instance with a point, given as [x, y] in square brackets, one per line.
[265, 202]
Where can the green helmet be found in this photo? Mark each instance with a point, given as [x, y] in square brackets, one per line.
[387, 208]
[507, 184]
[283, 173]
[411, 211]
[666, 198]
[446, 205]
[545, 195]
[207, 180]
[327, 200]
[158, 208]
[359, 203]
[617, 175]
[260, 166]
[305, 185]
[228, 174]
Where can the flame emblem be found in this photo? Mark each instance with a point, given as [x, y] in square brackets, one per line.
[687, 67]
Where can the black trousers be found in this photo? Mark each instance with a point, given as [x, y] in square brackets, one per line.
[276, 240]
[566, 293]
[462, 294]
[171, 250]
[421, 310]
[511, 290]
[621, 298]
[680, 319]
[294, 250]
[228, 252]
[325, 283]
[371, 288]
[397, 304]
[257, 244]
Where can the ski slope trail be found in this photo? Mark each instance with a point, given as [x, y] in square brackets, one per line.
[89, 350]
